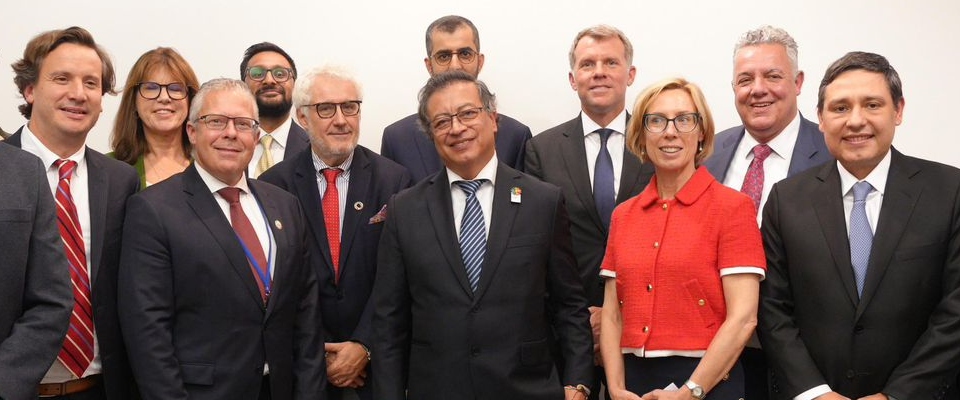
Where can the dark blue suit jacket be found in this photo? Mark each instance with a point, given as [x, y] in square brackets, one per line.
[809, 151]
[407, 144]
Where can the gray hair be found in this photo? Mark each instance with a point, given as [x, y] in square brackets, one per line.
[444, 80]
[768, 34]
[301, 90]
[599, 32]
[221, 85]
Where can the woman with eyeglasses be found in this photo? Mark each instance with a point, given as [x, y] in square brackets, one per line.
[150, 129]
[683, 263]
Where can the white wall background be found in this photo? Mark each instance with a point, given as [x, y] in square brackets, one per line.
[525, 43]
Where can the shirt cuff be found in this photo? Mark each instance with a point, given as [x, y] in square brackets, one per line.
[606, 273]
[744, 270]
[814, 393]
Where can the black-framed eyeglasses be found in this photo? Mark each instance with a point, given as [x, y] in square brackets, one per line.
[466, 55]
[444, 122]
[219, 122]
[684, 123]
[328, 110]
[280, 74]
[151, 90]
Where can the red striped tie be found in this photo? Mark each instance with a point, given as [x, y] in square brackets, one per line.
[77, 351]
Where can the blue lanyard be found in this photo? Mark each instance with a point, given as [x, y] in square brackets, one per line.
[265, 275]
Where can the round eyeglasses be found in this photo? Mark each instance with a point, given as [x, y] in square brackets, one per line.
[151, 90]
[280, 74]
[328, 110]
[465, 55]
[684, 123]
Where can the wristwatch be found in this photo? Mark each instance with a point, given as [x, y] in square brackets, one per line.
[695, 390]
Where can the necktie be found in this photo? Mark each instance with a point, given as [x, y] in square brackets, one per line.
[266, 159]
[603, 190]
[753, 182]
[861, 236]
[248, 238]
[331, 217]
[473, 236]
[77, 351]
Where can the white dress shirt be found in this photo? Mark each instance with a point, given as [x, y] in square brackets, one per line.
[277, 147]
[343, 183]
[484, 194]
[615, 145]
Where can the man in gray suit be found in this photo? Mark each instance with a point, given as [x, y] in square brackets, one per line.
[766, 83]
[35, 294]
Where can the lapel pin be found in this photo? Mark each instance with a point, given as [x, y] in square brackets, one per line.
[277, 224]
[515, 193]
[358, 205]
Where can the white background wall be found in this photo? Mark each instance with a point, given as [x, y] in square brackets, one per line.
[525, 43]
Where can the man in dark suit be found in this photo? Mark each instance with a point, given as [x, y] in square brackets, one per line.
[62, 76]
[453, 44]
[766, 83]
[217, 298]
[862, 296]
[601, 69]
[476, 281]
[344, 246]
[271, 73]
[35, 295]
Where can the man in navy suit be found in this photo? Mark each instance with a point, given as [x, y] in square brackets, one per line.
[63, 76]
[271, 73]
[453, 44]
[477, 283]
[346, 231]
[862, 296]
[766, 83]
[217, 297]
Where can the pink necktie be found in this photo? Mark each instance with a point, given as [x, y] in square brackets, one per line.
[753, 182]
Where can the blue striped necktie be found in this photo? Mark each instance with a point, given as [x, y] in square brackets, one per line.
[473, 236]
[861, 236]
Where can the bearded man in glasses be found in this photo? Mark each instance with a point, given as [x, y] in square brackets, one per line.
[271, 73]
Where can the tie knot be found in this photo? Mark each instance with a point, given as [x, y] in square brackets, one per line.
[266, 140]
[65, 168]
[861, 190]
[470, 187]
[604, 135]
[331, 174]
[761, 152]
[230, 194]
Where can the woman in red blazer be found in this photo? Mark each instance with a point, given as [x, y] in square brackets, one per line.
[683, 263]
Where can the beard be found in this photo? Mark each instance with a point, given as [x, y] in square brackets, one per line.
[274, 109]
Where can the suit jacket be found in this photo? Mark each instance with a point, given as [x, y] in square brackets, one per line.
[437, 339]
[36, 297]
[900, 336]
[558, 156]
[297, 141]
[407, 144]
[373, 180]
[195, 324]
[809, 151]
[111, 182]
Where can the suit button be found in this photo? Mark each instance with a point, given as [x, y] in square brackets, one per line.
[649, 288]
[851, 374]
[664, 206]
[474, 310]
[646, 329]
[858, 328]
[474, 352]
[701, 302]
[656, 245]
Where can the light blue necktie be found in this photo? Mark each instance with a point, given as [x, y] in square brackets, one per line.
[861, 237]
[603, 191]
[473, 236]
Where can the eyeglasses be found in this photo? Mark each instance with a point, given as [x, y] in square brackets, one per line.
[151, 90]
[465, 55]
[444, 122]
[328, 110]
[219, 123]
[684, 123]
[280, 74]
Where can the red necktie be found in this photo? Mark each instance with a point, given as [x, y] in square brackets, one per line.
[331, 217]
[753, 182]
[77, 351]
[248, 237]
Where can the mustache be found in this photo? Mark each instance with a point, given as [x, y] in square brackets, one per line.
[275, 87]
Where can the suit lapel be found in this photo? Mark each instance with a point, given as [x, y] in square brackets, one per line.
[806, 148]
[98, 189]
[502, 217]
[574, 155]
[828, 204]
[428, 152]
[899, 200]
[311, 200]
[205, 207]
[440, 207]
[723, 154]
[357, 193]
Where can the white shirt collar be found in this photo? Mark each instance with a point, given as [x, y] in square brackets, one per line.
[215, 184]
[877, 178]
[32, 144]
[619, 124]
[782, 144]
[489, 172]
[281, 133]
